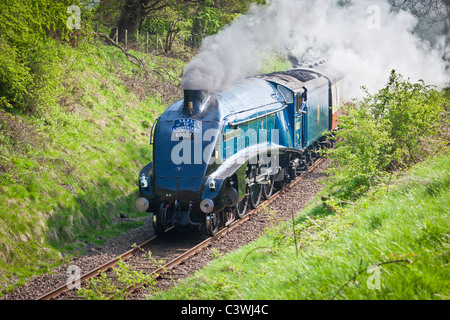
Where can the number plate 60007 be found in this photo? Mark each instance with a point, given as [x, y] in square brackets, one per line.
[184, 135]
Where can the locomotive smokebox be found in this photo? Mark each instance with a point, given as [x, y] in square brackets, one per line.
[193, 102]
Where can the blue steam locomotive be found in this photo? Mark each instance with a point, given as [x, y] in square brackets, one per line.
[215, 154]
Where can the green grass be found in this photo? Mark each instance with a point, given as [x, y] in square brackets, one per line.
[403, 232]
[72, 169]
[275, 62]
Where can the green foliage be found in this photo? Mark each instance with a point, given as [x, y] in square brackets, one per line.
[103, 287]
[31, 33]
[414, 114]
[388, 131]
[13, 76]
[192, 22]
[107, 12]
[208, 18]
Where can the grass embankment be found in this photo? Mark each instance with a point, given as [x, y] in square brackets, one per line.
[69, 172]
[392, 243]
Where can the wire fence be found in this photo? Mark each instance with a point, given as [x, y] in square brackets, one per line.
[148, 42]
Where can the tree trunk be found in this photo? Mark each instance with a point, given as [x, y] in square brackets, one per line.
[132, 14]
[171, 34]
[196, 33]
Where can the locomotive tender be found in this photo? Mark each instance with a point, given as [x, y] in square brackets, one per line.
[217, 153]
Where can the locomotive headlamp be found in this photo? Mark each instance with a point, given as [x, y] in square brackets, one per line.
[144, 182]
[142, 204]
[207, 205]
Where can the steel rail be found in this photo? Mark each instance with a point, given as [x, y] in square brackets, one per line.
[94, 272]
[161, 270]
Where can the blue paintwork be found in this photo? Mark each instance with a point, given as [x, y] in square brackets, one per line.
[249, 99]
[296, 130]
[317, 119]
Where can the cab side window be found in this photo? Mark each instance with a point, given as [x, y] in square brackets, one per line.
[287, 94]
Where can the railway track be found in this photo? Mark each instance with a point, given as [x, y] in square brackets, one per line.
[170, 252]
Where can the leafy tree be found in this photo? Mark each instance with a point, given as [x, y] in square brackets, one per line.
[167, 23]
[135, 11]
[388, 131]
[107, 13]
[168, 18]
[29, 30]
[205, 21]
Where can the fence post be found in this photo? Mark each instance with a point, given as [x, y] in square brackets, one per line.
[117, 35]
[162, 45]
[146, 46]
[126, 39]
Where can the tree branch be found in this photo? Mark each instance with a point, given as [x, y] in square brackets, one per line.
[137, 61]
[365, 269]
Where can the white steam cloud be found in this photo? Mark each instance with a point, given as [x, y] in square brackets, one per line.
[363, 40]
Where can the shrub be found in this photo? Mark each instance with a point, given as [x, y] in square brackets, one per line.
[32, 33]
[388, 131]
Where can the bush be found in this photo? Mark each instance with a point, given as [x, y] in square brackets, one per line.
[388, 131]
[32, 32]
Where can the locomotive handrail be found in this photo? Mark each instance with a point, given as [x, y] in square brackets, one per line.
[151, 131]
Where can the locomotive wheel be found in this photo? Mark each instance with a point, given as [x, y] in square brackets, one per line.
[255, 194]
[267, 189]
[241, 207]
[159, 219]
[280, 185]
[254, 189]
[314, 153]
[212, 224]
